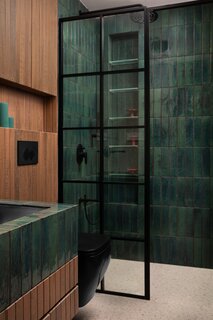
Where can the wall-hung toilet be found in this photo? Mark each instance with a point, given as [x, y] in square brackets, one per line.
[93, 259]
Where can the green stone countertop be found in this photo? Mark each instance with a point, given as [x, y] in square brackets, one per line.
[34, 246]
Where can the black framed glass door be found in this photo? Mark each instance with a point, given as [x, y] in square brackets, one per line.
[104, 136]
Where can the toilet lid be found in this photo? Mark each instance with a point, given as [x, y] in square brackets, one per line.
[92, 243]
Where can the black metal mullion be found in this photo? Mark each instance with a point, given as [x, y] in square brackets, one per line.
[105, 72]
[60, 117]
[147, 157]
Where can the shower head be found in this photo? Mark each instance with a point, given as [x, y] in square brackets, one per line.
[138, 17]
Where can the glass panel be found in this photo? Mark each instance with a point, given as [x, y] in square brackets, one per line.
[81, 102]
[89, 218]
[85, 167]
[124, 99]
[81, 46]
[124, 218]
[124, 41]
[124, 155]
[126, 269]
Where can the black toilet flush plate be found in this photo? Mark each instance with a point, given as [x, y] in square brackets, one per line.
[27, 152]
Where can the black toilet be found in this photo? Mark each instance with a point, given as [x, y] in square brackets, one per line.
[93, 259]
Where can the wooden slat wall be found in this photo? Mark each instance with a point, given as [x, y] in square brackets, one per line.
[33, 182]
[44, 53]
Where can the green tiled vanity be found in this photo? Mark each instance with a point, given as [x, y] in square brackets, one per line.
[34, 247]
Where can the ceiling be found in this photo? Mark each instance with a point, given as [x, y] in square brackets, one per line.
[103, 4]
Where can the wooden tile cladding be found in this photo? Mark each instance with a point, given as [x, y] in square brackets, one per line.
[28, 43]
[33, 182]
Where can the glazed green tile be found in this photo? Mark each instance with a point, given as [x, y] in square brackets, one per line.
[26, 255]
[173, 162]
[185, 162]
[185, 254]
[155, 183]
[165, 102]
[185, 192]
[180, 40]
[53, 242]
[165, 165]
[157, 71]
[164, 132]
[198, 38]
[201, 162]
[206, 68]
[189, 15]
[205, 37]
[180, 102]
[165, 73]
[169, 191]
[173, 132]
[202, 223]
[61, 254]
[197, 261]
[157, 103]
[15, 265]
[189, 99]
[189, 70]
[4, 271]
[168, 250]
[198, 70]
[202, 192]
[36, 252]
[189, 36]
[173, 221]
[207, 246]
[185, 221]
[164, 221]
[156, 130]
[202, 132]
[181, 73]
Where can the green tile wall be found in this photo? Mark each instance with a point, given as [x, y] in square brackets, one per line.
[181, 136]
[181, 58]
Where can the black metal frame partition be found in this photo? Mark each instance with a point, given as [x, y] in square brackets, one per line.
[101, 73]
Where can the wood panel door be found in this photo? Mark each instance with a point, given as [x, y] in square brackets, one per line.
[15, 41]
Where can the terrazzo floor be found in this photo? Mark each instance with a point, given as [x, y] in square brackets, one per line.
[177, 293]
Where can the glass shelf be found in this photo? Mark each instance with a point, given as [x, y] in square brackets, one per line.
[123, 90]
[123, 118]
[123, 174]
[122, 62]
[123, 146]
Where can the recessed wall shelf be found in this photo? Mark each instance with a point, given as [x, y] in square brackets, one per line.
[123, 90]
[124, 61]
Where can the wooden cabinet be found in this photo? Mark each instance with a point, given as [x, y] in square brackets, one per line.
[44, 46]
[15, 41]
[28, 43]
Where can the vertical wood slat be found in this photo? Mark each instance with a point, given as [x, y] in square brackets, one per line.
[34, 303]
[27, 306]
[20, 309]
[40, 289]
[3, 315]
[11, 312]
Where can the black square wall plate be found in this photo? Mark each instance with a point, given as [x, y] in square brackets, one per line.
[27, 152]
